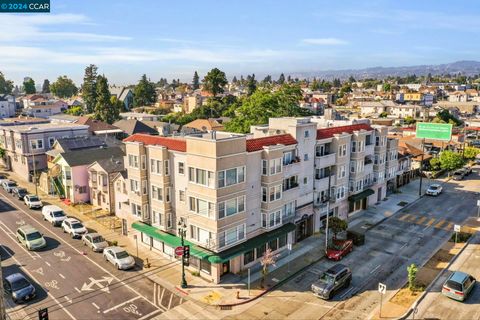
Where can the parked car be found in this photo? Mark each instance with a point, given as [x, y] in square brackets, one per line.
[119, 258]
[339, 249]
[331, 281]
[20, 193]
[8, 185]
[32, 201]
[19, 288]
[3, 178]
[30, 237]
[94, 241]
[53, 214]
[434, 190]
[73, 227]
[467, 170]
[477, 161]
[458, 285]
[458, 175]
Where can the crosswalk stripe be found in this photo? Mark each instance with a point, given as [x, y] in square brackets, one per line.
[422, 220]
[412, 219]
[448, 227]
[404, 217]
[440, 223]
[432, 220]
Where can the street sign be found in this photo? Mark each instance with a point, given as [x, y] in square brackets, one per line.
[382, 288]
[456, 228]
[437, 131]
[179, 251]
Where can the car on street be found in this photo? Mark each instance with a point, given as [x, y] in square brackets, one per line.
[19, 193]
[73, 227]
[434, 190]
[331, 281]
[53, 214]
[33, 201]
[339, 249]
[30, 237]
[458, 175]
[95, 241]
[467, 170]
[18, 288]
[458, 285]
[119, 258]
[8, 185]
[3, 178]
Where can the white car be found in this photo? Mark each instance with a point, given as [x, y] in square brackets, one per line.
[94, 241]
[73, 227]
[32, 201]
[434, 190]
[8, 185]
[54, 215]
[119, 258]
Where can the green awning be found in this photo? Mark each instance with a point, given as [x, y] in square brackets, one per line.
[171, 240]
[361, 195]
[251, 244]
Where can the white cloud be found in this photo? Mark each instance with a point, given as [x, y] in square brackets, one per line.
[324, 41]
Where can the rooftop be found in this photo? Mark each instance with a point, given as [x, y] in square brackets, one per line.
[46, 127]
[325, 133]
[177, 144]
[258, 143]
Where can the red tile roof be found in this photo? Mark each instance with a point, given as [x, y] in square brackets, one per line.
[170, 143]
[258, 143]
[325, 133]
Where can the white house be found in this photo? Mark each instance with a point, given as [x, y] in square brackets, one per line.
[7, 106]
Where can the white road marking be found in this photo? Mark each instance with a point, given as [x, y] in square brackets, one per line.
[98, 283]
[78, 290]
[170, 302]
[426, 227]
[61, 276]
[375, 269]
[68, 299]
[121, 304]
[78, 251]
[406, 244]
[150, 314]
[154, 292]
[94, 304]
[161, 298]
[39, 271]
[48, 263]
[49, 294]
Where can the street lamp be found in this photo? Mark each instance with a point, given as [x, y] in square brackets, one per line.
[182, 230]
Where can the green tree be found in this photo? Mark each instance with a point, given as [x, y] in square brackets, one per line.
[105, 110]
[444, 116]
[214, 81]
[412, 276]
[46, 86]
[251, 84]
[384, 114]
[281, 79]
[387, 87]
[89, 88]
[337, 225]
[435, 164]
[471, 152]
[63, 87]
[196, 81]
[6, 86]
[409, 120]
[336, 83]
[144, 93]
[75, 111]
[450, 160]
[351, 79]
[29, 86]
[3, 153]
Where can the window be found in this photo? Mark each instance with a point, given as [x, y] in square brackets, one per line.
[200, 176]
[377, 141]
[136, 210]
[248, 257]
[340, 193]
[272, 219]
[306, 134]
[169, 220]
[273, 244]
[36, 144]
[181, 168]
[157, 193]
[305, 157]
[264, 167]
[352, 166]
[288, 210]
[231, 176]
[167, 194]
[51, 141]
[201, 206]
[83, 189]
[288, 158]
[275, 166]
[157, 218]
[181, 195]
[231, 207]
[155, 166]
[134, 185]
[342, 150]
[144, 187]
[132, 161]
[167, 167]
[305, 180]
[232, 235]
[354, 146]
[264, 194]
[275, 193]
[341, 171]
[144, 162]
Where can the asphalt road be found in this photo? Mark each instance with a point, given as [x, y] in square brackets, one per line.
[437, 306]
[412, 235]
[72, 281]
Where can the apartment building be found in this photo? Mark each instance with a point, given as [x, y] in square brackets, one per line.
[26, 143]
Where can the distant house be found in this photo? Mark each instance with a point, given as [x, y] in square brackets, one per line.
[42, 108]
[97, 127]
[63, 118]
[163, 128]
[102, 173]
[132, 126]
[139, 116]
[123, 94]
[7, 106]
[203, 125]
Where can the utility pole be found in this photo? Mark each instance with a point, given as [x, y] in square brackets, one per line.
[182, 229]
[327, 200]
[421, 168]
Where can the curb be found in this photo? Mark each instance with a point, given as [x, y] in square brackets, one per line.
[422, 296]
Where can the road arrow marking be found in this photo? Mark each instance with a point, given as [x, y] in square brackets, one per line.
[68, 299]
[101, 284]
[39, 271]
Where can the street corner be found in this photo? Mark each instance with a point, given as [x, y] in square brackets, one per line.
[213, 297]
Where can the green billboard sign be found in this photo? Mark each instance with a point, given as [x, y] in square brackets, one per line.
[437, 131]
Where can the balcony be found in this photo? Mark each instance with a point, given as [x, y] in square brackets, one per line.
[327, 160]
[321, 183]
[292, 168]
[289, 186]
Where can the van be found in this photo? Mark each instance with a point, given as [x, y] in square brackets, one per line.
[458, 285]
[30, 237]
[53, 214]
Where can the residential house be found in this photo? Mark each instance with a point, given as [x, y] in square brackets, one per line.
[42, 108]
[100, 128]
[140, 116]
[133, 126]
[102, 173]
[8, 106]
[123, 94]
[204, 125]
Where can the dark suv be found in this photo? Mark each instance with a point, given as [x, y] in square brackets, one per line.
[331, 281]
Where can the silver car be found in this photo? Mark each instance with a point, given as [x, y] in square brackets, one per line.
[95, 241]
[331, 281]
[8, 185]
[119, 258]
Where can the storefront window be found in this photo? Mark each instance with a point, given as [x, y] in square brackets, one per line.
[282, 241]
[260, 251]
[248, 257]
[273, 245]
[205, 266]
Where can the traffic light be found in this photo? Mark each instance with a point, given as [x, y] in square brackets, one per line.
[186, 252]
[43, 314]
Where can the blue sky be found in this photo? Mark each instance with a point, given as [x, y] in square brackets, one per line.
[172, 39]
